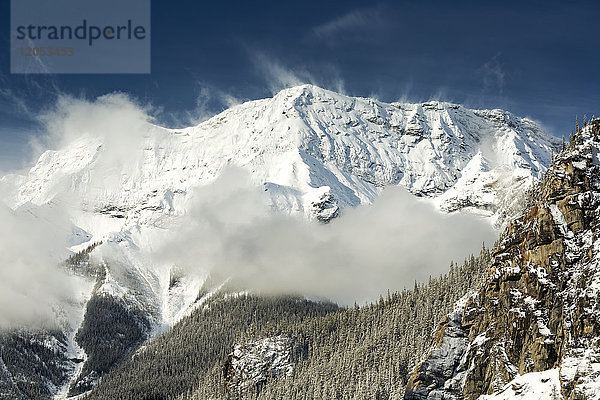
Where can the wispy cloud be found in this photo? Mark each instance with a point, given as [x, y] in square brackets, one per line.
[209, 101]
[442, 94]
[17, 101]
[275, 74]
[354, 20]
[20, 101]
[278, 75]
[405, 91]
[493, 74]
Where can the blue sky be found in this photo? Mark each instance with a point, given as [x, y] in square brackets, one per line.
[534, 58]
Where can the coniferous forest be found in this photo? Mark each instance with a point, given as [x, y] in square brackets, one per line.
[361, 352]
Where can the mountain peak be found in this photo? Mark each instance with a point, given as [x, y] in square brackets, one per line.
[308, 90]
[305, 143]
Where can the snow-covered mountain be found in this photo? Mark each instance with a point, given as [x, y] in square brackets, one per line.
[313, 151]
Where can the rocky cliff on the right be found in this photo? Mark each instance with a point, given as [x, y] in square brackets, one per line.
[532, 330]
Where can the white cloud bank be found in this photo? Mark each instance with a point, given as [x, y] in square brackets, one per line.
[230, 231]
[33, 242]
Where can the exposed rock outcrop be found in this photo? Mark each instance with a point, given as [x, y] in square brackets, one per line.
[251, 364]
[538, 308]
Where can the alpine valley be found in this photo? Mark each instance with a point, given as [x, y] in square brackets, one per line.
[518, 320]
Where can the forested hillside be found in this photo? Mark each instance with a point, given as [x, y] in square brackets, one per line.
[356, 353]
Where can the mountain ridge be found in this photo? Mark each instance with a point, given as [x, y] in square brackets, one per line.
[314, 153]
[303, 144]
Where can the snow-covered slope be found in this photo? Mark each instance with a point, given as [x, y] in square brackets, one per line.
[312, 150]
[305, 145]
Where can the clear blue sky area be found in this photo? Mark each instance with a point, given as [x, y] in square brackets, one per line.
[534, 58]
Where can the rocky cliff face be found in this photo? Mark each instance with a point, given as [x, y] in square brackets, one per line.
[538, 308]
[251, 364]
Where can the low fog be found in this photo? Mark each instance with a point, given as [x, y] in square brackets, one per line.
[33, 289]
[114, 118]
[230, 231]
[33, 243]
